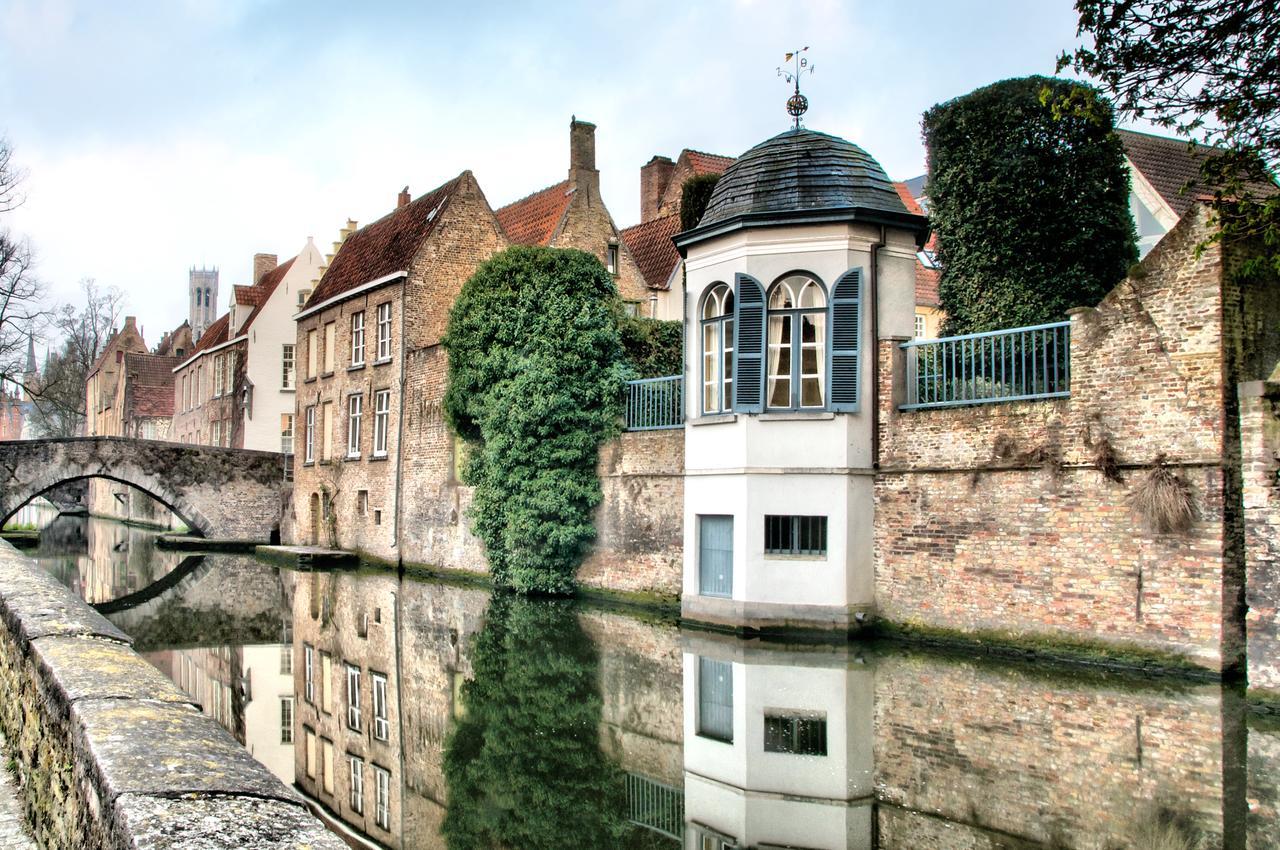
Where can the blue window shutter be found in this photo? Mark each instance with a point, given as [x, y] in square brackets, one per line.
[748, 345]
[846, 341]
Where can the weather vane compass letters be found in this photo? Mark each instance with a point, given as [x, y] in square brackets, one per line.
[797, 104]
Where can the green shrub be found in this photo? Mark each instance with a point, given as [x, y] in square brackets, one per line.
[695, 194]
[1030, 203]
[654, 348]
[536, 377]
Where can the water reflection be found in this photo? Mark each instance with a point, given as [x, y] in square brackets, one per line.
[414, 714]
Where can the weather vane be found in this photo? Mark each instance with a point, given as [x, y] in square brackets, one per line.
[797, 104]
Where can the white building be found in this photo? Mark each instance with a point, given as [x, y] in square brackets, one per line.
[806, 255]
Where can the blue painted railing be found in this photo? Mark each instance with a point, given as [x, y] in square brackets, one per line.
[655, 806]
[654, 404]
[1020, 364]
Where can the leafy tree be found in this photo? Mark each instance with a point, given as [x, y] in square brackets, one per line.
[523, 764]
[1209, 70]
[695, 194]
[654, 347]
[1031, 210]
[535, 386]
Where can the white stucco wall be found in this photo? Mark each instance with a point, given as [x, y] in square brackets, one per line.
[262, 713]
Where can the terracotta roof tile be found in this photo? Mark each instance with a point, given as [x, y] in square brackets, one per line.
[246, 296]
[904, 192]
[532, 220]
[707, 163]
[1172, 167]
[651, 247]
[149, 385]
[215, 334]
[927, 285]
[263, 290]
[386, 246]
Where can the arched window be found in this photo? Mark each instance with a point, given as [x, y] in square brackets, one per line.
[717, 349]
[797, 339]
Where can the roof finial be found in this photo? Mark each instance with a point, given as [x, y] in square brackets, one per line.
[797, 104]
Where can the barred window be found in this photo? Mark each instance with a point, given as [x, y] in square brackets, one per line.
[797, 734]
[795, 535]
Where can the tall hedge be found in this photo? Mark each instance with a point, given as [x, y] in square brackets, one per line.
[654, 347]
[1030, 204]
[695, 194]
[536, 374]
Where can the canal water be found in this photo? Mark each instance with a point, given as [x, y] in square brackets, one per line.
[421, 714]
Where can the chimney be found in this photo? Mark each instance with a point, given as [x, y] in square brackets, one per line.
[402, 200]
[263, 263]
[655, 176]
[130, 324]
[582, 153]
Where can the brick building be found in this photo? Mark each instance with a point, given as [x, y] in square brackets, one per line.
[145, 410]
[102, 384]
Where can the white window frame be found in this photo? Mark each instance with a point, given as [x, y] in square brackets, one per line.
[353, 698]
[309, 672]
[288, 364]
[716, 361]
[381, 421]
[286, 434]
[355, 411]
[357, 785]
[310, 454]
[381, 726]
[357, 338]
[286, 720]
[384, 331]
[382, 797]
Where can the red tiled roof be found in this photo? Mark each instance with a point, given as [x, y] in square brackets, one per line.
[904, 193]
[651, 247]
[215, 334]
[927, 285]
[532, 220]
[1173, 168]
[149, 385]
[246, 296]
[707, 163]
[386, 246]
[263, 289]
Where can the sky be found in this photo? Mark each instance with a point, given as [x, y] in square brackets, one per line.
[157, 136]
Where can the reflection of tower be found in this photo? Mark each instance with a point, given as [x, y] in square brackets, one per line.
[202, 290]
[778, 747]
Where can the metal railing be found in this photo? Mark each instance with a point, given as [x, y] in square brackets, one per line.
[655, 806]
[1019, 364]
[654, 404]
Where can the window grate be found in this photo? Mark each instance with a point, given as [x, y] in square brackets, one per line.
[795, 535]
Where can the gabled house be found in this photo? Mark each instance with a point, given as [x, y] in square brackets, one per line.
[102, 384]
[146, 396]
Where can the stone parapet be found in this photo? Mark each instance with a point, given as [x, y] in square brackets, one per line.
[109, 753]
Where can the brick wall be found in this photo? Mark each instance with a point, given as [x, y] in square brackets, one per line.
[997, 516]
[1260, 457]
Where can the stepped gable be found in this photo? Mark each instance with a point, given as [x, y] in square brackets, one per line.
[798, 171]
[533, 220]
[651, 247]
[384, 247]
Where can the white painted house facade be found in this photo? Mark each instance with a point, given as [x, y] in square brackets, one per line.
[805, 256]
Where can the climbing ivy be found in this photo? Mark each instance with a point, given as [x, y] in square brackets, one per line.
[654, 348]
[536, 374]
[695, 194]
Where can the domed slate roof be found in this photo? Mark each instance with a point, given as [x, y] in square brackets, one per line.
[802, 174]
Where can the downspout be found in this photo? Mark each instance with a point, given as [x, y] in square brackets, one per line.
[400, 424]
[873, 300]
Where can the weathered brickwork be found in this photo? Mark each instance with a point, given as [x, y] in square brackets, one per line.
[998, 517]
[200, 416]
[1260, 463]
[1026, 758]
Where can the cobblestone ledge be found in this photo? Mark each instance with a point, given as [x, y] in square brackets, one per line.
[109, 753]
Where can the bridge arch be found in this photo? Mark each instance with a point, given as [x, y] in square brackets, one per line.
[218, 492]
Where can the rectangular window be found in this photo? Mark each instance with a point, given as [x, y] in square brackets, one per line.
[286, 720]
[310, 435]
[326, 438]
[313, 354]
[612, 264]
[357, 339]
[217, 375]
[326, 751]
[715, 555]
[357, 785]
[362, 502]
[381, 421]
[217, 432]
[330, 345]
[286, 433]
[286, 659]
[384, 331]
[286, 366]
[920, 326]
[795, 535]
[382, 797]
[353, 698]
[798, 734]
[326, 683]
[381, 728]
[715, 700]
[311, 754]
[355, 408]
[229, 373]
[309, 673]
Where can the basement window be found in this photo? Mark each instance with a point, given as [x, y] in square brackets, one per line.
[795, 535]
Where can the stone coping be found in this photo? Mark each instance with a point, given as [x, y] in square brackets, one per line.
[149, 768]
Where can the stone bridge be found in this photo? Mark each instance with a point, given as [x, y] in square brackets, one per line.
[219, 493]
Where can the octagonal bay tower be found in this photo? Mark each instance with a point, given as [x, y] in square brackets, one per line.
[804, 259]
